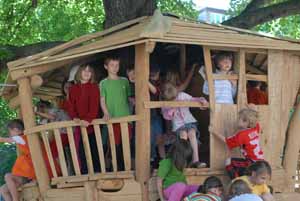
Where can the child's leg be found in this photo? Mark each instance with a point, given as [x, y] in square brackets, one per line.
[5, 193]
[13, 182]
[183, 135]
[193, 140]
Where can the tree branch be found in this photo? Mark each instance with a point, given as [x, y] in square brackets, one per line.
[252, 18]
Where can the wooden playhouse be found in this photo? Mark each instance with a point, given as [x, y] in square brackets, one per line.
[257, 57]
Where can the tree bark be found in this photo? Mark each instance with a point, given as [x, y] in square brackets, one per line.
[119, 11]
[261, 11]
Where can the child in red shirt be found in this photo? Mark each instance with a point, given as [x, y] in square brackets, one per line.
[84, 100]
[22, 170]
[247, 138]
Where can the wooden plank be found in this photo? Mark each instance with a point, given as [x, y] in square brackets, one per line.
[49, 153]
[242, 88]
[90, 191]
[209, 77]
[41, 173]
[100, 147]
[70, 179]
[126, 146]
[117, 120]
[182, 61]
[61, 155]
[263, 78]
[160, 104]
[142, 65]
[224, 77]
[73, 150]
[112, 146]
[87, 150]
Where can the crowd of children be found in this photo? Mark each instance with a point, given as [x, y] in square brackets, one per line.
[115, 97]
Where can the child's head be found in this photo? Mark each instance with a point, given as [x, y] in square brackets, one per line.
[168, 92]
[173, 77]
[212, 184]
[181, 154]
[66, 86]
[260, 172]
[85, 74]
[247, 118]
[238, 187]
[223, 61]
[112, 65]
[130, 74]
[43, 106]
[154, 72]
[15, 127]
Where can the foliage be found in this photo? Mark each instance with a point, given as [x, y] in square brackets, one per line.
[283, 27]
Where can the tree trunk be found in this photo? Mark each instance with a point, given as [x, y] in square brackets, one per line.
[119, 11]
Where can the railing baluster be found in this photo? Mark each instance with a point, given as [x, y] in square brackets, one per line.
[61, 155]
[100, 147]
[112, 146]
[126, 145]
[87, 150]
[73, 150]
[49, 153]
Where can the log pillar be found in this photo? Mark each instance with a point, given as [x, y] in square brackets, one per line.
[25, 95]
[142, 126]
[291, 155]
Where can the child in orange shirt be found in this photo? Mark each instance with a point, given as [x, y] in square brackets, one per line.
[22, 170]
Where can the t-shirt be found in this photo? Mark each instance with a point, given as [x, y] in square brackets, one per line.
[246, 197]
[257, 96]
[224, 91]
[116, 93]
[248, 141]
[256, 189]
[181, 115]
[169, 173]
[202, 197]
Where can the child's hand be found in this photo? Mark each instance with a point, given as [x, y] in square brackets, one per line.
[84, 123]
[106, 117]
[204, 103]
[77, 120]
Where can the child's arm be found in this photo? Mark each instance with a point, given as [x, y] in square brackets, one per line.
[152, 88]
[267, 197]
[202, 100]
[104, 109]
[187, 80]
[159, 183]
[217, 135]
[6, 140]
[45, 115]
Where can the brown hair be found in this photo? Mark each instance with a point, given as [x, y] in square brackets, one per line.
[260, 167]
[16, 124]
[173, 77]
[168, 91]
[79, 71]
[249, 115]
[111, 58]
[221, 56]
[238, 187]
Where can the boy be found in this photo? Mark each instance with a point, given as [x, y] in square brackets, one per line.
[22, 170]
[115, 93]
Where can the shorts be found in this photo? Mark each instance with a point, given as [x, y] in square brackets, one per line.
[187, 127]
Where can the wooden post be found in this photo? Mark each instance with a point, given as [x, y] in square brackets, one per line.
[182, 61]
[290, 159]
[143, 125]
[242, 89]
[25, 95]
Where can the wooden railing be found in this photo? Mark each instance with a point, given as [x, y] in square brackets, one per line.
[54, 129]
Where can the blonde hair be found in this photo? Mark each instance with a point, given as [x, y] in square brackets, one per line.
[173, 77]
[168, 91]
[79, 71]
[249, 115]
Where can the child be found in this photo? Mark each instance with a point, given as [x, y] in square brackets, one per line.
[247, 138]
[211, 190]
[64, 103]
[111, 87]
[171, 181]
[156, 119]
[84, 107]
[22, 170]
[259, 173]
[240, 191]
[225, 90]
[255, 95]
[183, 122]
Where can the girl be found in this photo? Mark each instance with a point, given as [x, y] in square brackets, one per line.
[171, 181]
[225, 90]
[211, 190]
[259, 173]
[240, 191]
[22, 170]
[64, 103]
[247, 139]
[84, 107]
[183, 122]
